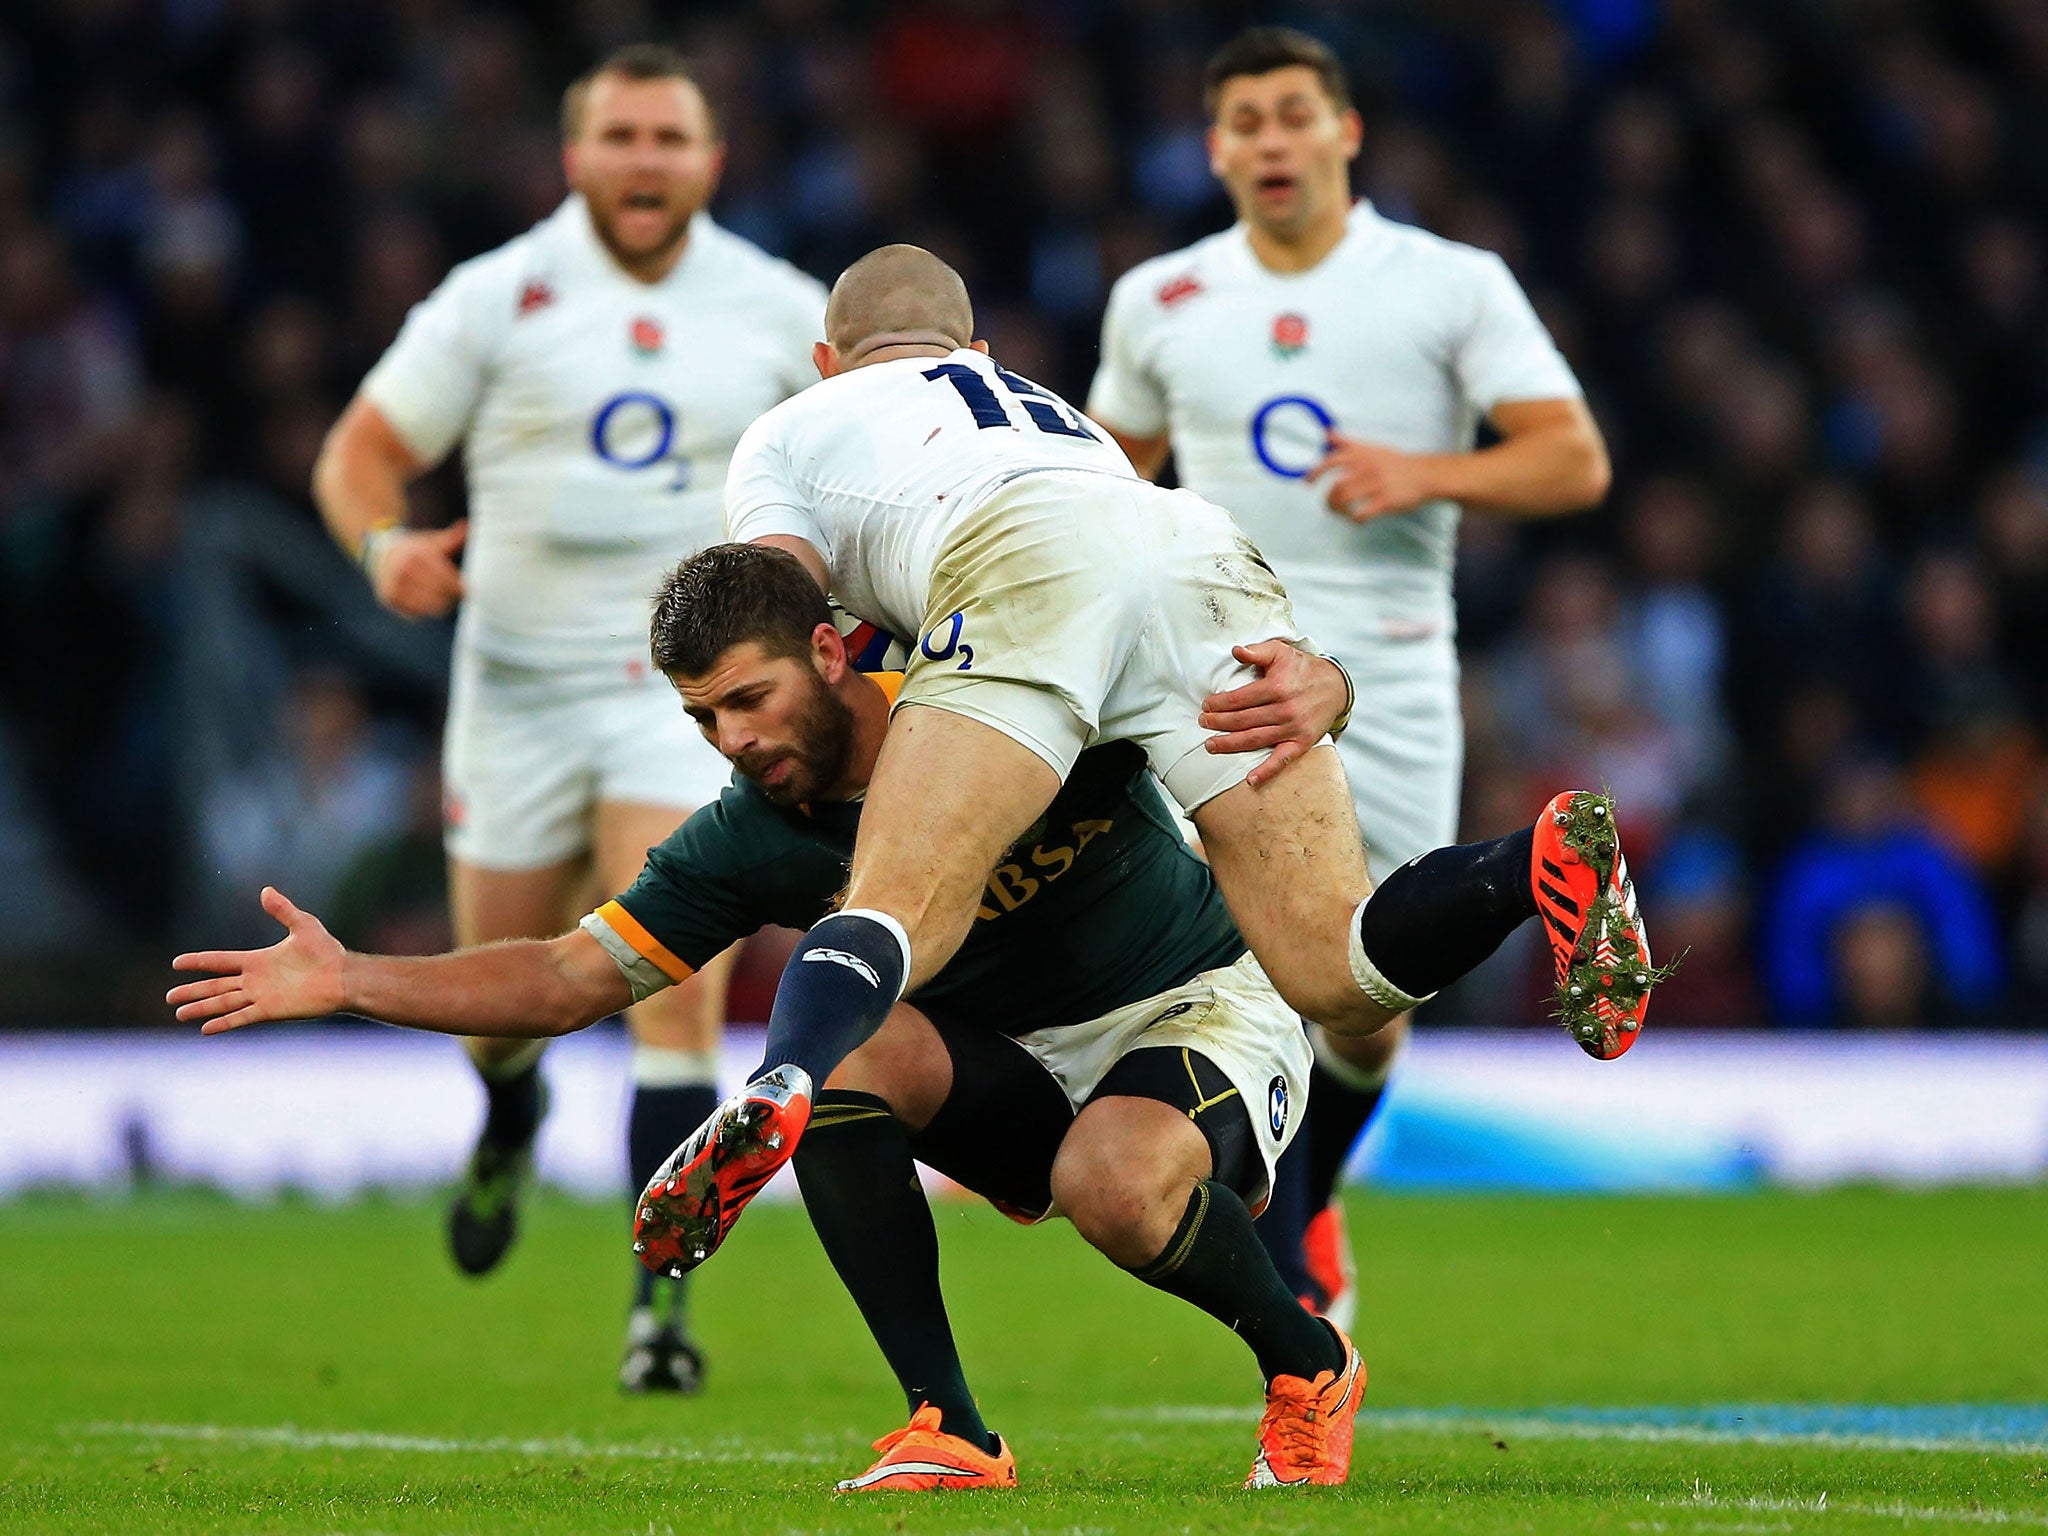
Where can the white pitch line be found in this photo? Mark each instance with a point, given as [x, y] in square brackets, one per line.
[1962, 1514]
[1400, 1420]
[294, 1438]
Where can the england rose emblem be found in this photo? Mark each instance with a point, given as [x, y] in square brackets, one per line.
[1290, 335]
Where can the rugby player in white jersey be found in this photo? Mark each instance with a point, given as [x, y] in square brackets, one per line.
[1320, 371]
[596, 372]
[1059, 601]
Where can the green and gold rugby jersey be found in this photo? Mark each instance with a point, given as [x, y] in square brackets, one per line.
[1099, 905]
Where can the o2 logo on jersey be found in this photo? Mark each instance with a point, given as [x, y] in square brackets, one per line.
[636, 430]
[1291, 434]
[942, 643]
[1276, 1107]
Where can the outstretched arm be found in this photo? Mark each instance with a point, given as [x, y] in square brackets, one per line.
[527, 988]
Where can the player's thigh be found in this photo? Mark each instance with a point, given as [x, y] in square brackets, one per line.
[518, 769]
[690, 1015]
[488, 906]
[904, 1064]
[949, 794]
[1001, 1124]
[1288, 861]
[1034, 604]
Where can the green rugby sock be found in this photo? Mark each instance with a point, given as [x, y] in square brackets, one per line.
[1214, 1260]
[860, 1187]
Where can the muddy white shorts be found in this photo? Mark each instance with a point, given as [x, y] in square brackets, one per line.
[1074, 607]
[528, 754]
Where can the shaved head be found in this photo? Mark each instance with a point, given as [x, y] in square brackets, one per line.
[899, 295]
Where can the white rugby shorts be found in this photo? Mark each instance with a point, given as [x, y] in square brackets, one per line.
[528, 754]
[1075, 607]
[1233, 1016]
[1404, 751]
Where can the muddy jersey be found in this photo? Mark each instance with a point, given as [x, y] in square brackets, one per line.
[876, 466]
[1396, 337]
[597, 415]
[1098, 906]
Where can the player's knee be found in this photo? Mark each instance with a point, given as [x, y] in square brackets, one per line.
[1128, 1213]
[903, 1065]
[1335, 1002]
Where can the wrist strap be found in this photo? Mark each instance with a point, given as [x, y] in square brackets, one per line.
[375, 540]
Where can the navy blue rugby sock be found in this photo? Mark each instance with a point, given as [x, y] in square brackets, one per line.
[835, 992]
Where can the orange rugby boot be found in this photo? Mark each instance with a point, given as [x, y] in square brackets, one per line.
[696, 1196]
[923, 1458]
[1326, 1254]
[1305, 1436]
[1597, 939]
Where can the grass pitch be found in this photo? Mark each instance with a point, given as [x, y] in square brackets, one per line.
[184, 1364]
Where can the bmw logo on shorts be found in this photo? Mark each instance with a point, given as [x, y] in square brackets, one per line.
[1276, 1107]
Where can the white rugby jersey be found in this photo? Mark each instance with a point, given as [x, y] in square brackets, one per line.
[876, 465]
[1396, 337]
[597, 415]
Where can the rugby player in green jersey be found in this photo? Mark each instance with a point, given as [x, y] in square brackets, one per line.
[1102, 1045]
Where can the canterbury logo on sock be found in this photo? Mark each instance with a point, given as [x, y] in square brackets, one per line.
[851, 962]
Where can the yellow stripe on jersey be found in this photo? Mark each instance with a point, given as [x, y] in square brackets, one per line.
[645, 944]
[891, 684]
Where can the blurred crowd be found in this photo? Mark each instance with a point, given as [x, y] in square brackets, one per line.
[1795, 249]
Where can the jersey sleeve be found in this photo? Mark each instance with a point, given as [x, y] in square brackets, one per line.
[430, 379]
[762, 495]
[1506, 354]
[690, 902]
[1126, 395]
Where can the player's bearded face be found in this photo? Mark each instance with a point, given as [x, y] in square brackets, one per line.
[813, 743]
[1283, 149]
[775, 720]
[646, 158]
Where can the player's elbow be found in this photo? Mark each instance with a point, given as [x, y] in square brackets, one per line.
[1595, 472]
[571, 1008]
[1585, 472]
[327, 469]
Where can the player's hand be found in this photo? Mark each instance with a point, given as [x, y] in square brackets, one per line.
[1368, 480]
[414, 573]
[1287, 709]
[298, 977]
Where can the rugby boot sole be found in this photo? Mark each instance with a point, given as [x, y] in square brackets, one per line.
[693, 1200]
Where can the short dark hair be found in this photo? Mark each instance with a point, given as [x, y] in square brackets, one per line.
[728, 595]
[635, 61]
[1260, 51]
